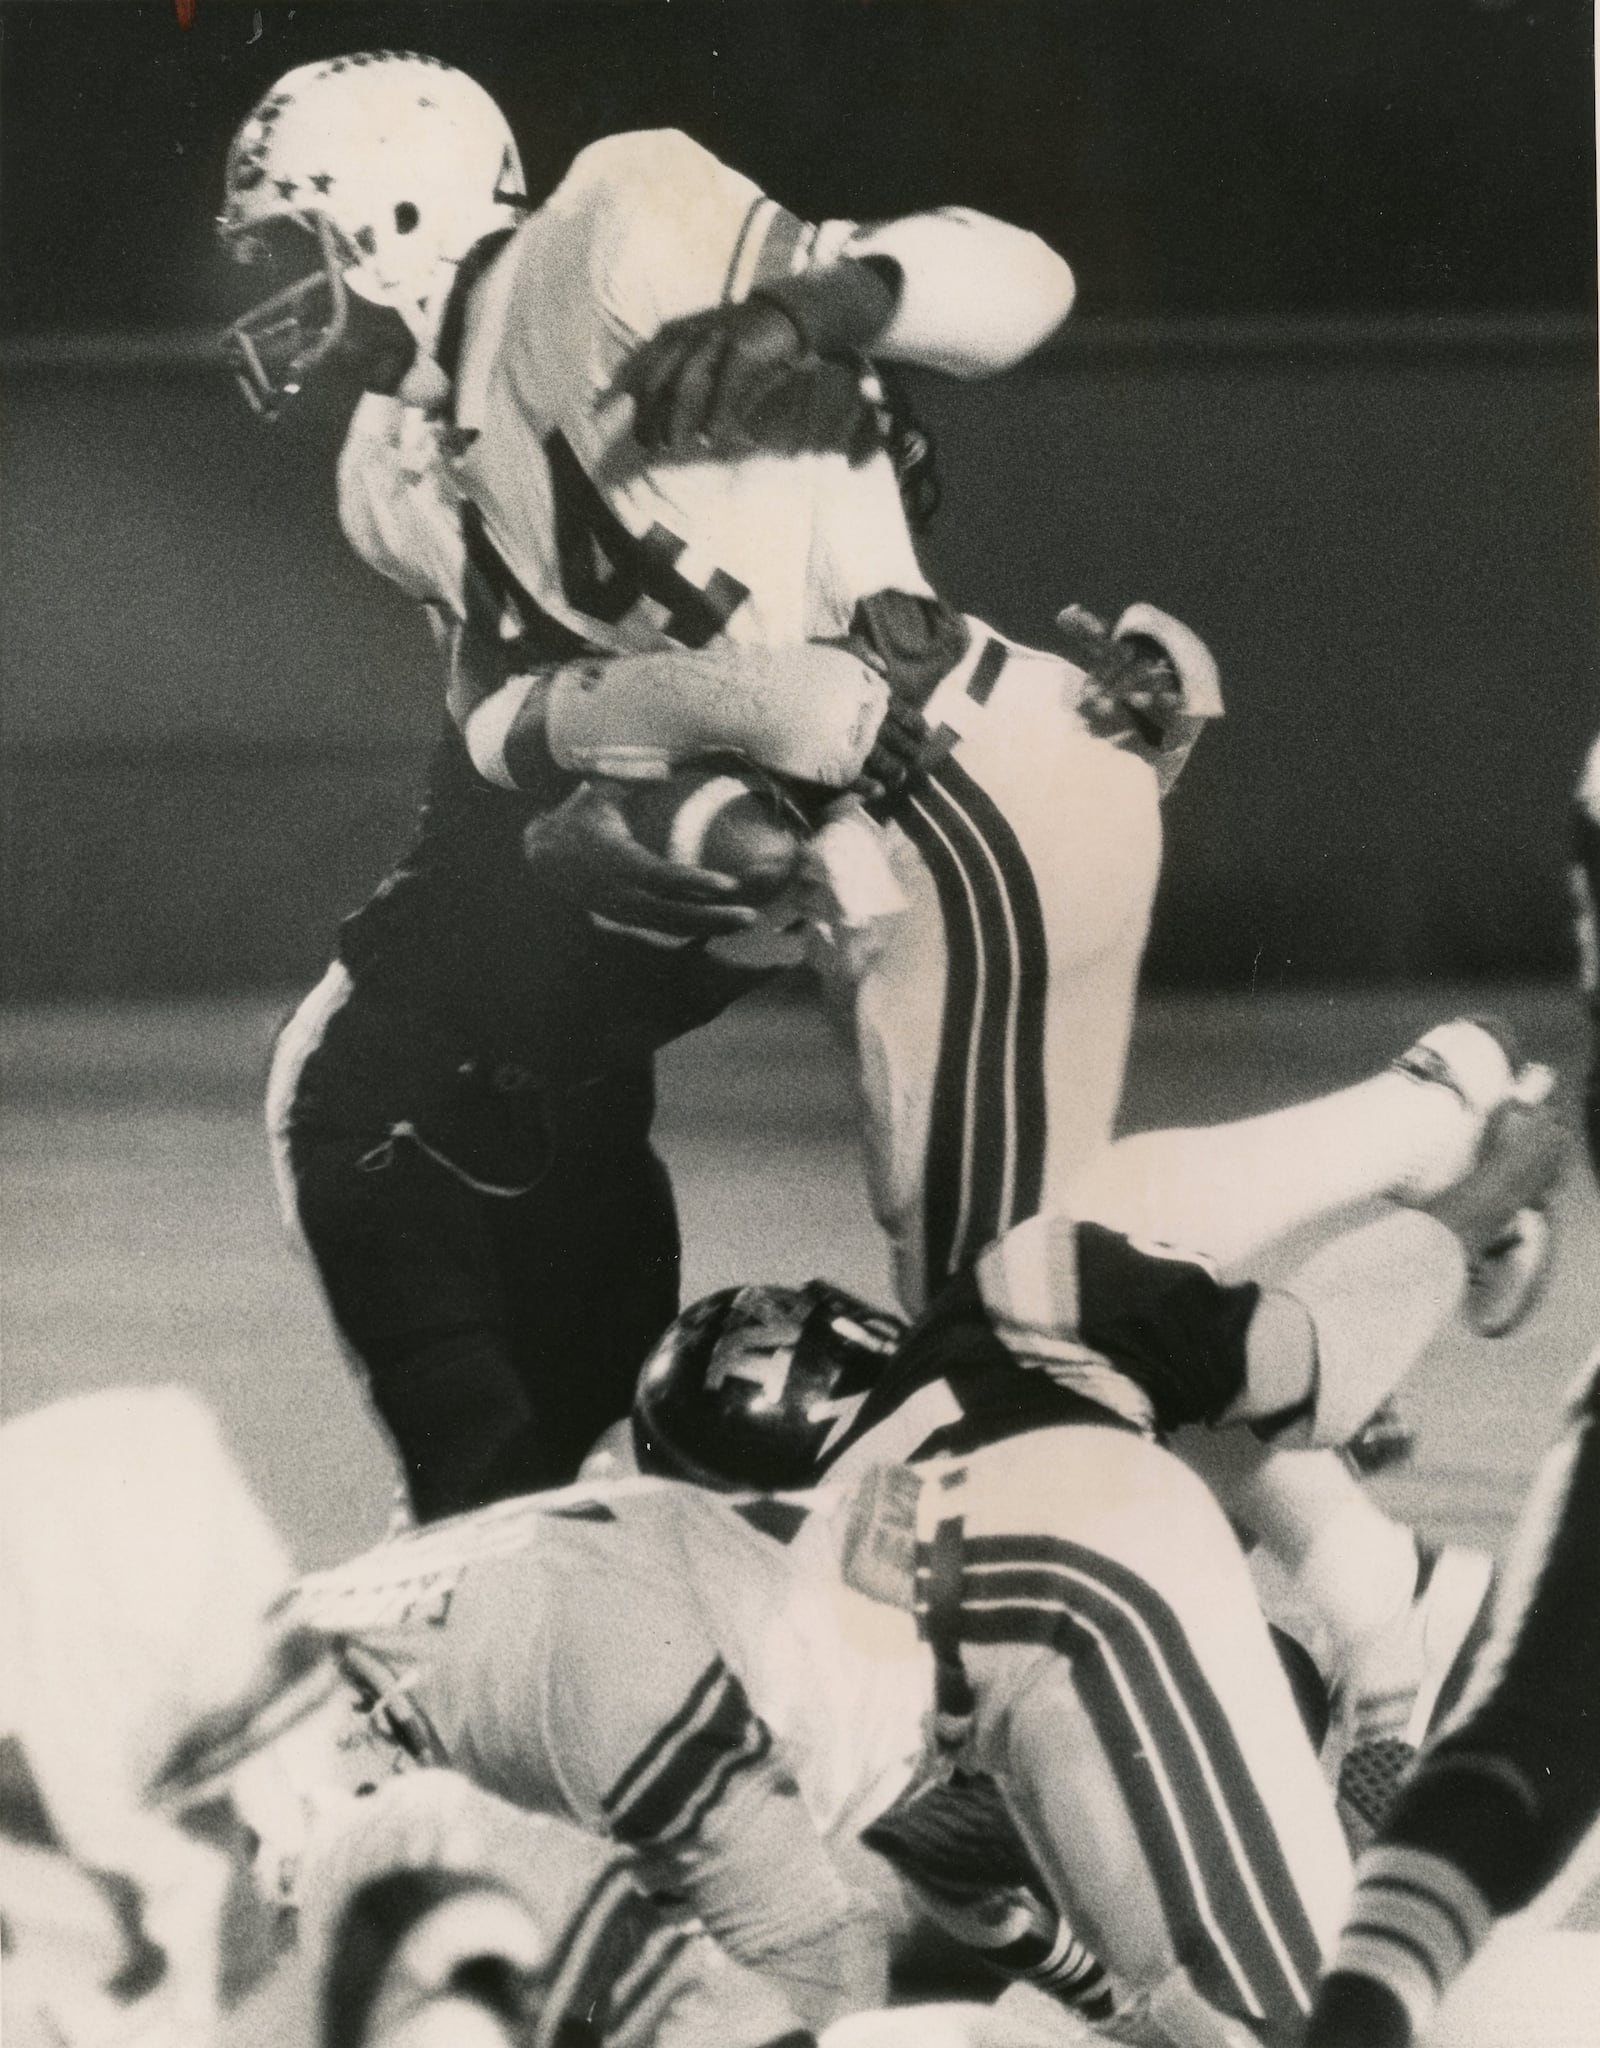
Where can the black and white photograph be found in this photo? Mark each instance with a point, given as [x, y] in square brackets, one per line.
[800, 1012]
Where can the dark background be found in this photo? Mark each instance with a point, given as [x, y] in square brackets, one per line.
[1329, 394]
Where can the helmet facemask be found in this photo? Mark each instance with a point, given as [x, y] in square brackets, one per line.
[274, 347]
[320, 316]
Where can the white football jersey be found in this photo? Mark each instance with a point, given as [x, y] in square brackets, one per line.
[551, 1642]
[563, 515]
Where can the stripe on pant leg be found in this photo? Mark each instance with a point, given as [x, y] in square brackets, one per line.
[294, 1046]
[1222, 1966]
[1211, 1772]
[989, 1137]
[944, 1162]
[1217, 1736]
[1002, 1092]
[1031, 947]
[1212, 1848]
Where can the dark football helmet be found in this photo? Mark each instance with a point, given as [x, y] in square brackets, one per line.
[756, 1387]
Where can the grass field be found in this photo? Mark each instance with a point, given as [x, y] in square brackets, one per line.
[141, 1244]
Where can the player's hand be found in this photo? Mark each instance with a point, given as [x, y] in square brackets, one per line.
[585, 851]
[735, 379]
[1131, 682]
[899, 751]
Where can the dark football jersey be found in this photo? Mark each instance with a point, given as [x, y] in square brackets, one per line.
[1147, 1339]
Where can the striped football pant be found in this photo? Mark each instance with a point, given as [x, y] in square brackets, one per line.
[991, 1029]
[1127, 1699]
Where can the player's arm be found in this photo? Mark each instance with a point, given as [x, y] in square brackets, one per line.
[434, 1896]
[780, 368]
[679, 1767]
[761, 346]
[966, 293]
[806, 711]
[810, 712]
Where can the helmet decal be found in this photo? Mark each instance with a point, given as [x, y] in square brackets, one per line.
[759, 1386]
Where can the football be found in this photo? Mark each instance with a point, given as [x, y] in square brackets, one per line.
[725, 815]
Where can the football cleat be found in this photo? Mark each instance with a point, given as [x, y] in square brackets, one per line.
[1401, 1683]
[1150, 684]
[955, 1843]
[1500, 1211]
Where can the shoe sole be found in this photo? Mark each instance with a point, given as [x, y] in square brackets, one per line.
[1506, 1283]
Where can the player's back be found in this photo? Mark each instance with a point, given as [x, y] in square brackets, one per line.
[550, 1642]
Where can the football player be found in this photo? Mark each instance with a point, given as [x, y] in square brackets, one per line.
[143, 1663]
[156, 1697]
[712, 1679]
[1501, 1804]
[718, 1401]
[635, 423]
[655, 372]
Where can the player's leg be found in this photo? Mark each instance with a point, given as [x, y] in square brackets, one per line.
[1410, 1134]
[1131, 1705]
[405, 1250]
[589, 1263]
[1390, 1620]
[1502, 1802]
[990, 1019]
[406, 1254]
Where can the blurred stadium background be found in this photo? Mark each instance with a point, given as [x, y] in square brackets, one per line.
[1330, 395]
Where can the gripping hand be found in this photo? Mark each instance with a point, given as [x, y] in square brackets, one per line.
[586, 851]
[777, 372]
[1150, 684]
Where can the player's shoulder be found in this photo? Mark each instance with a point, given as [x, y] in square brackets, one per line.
[645, 224]
[642, 162]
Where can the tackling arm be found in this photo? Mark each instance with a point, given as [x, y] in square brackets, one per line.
[653, 1740]
[808, 711]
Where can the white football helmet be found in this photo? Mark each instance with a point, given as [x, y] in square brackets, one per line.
[376, 174]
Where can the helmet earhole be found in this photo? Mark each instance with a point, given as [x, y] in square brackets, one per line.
[406, 217]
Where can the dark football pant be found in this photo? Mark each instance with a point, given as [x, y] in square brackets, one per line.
[498, 1334]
